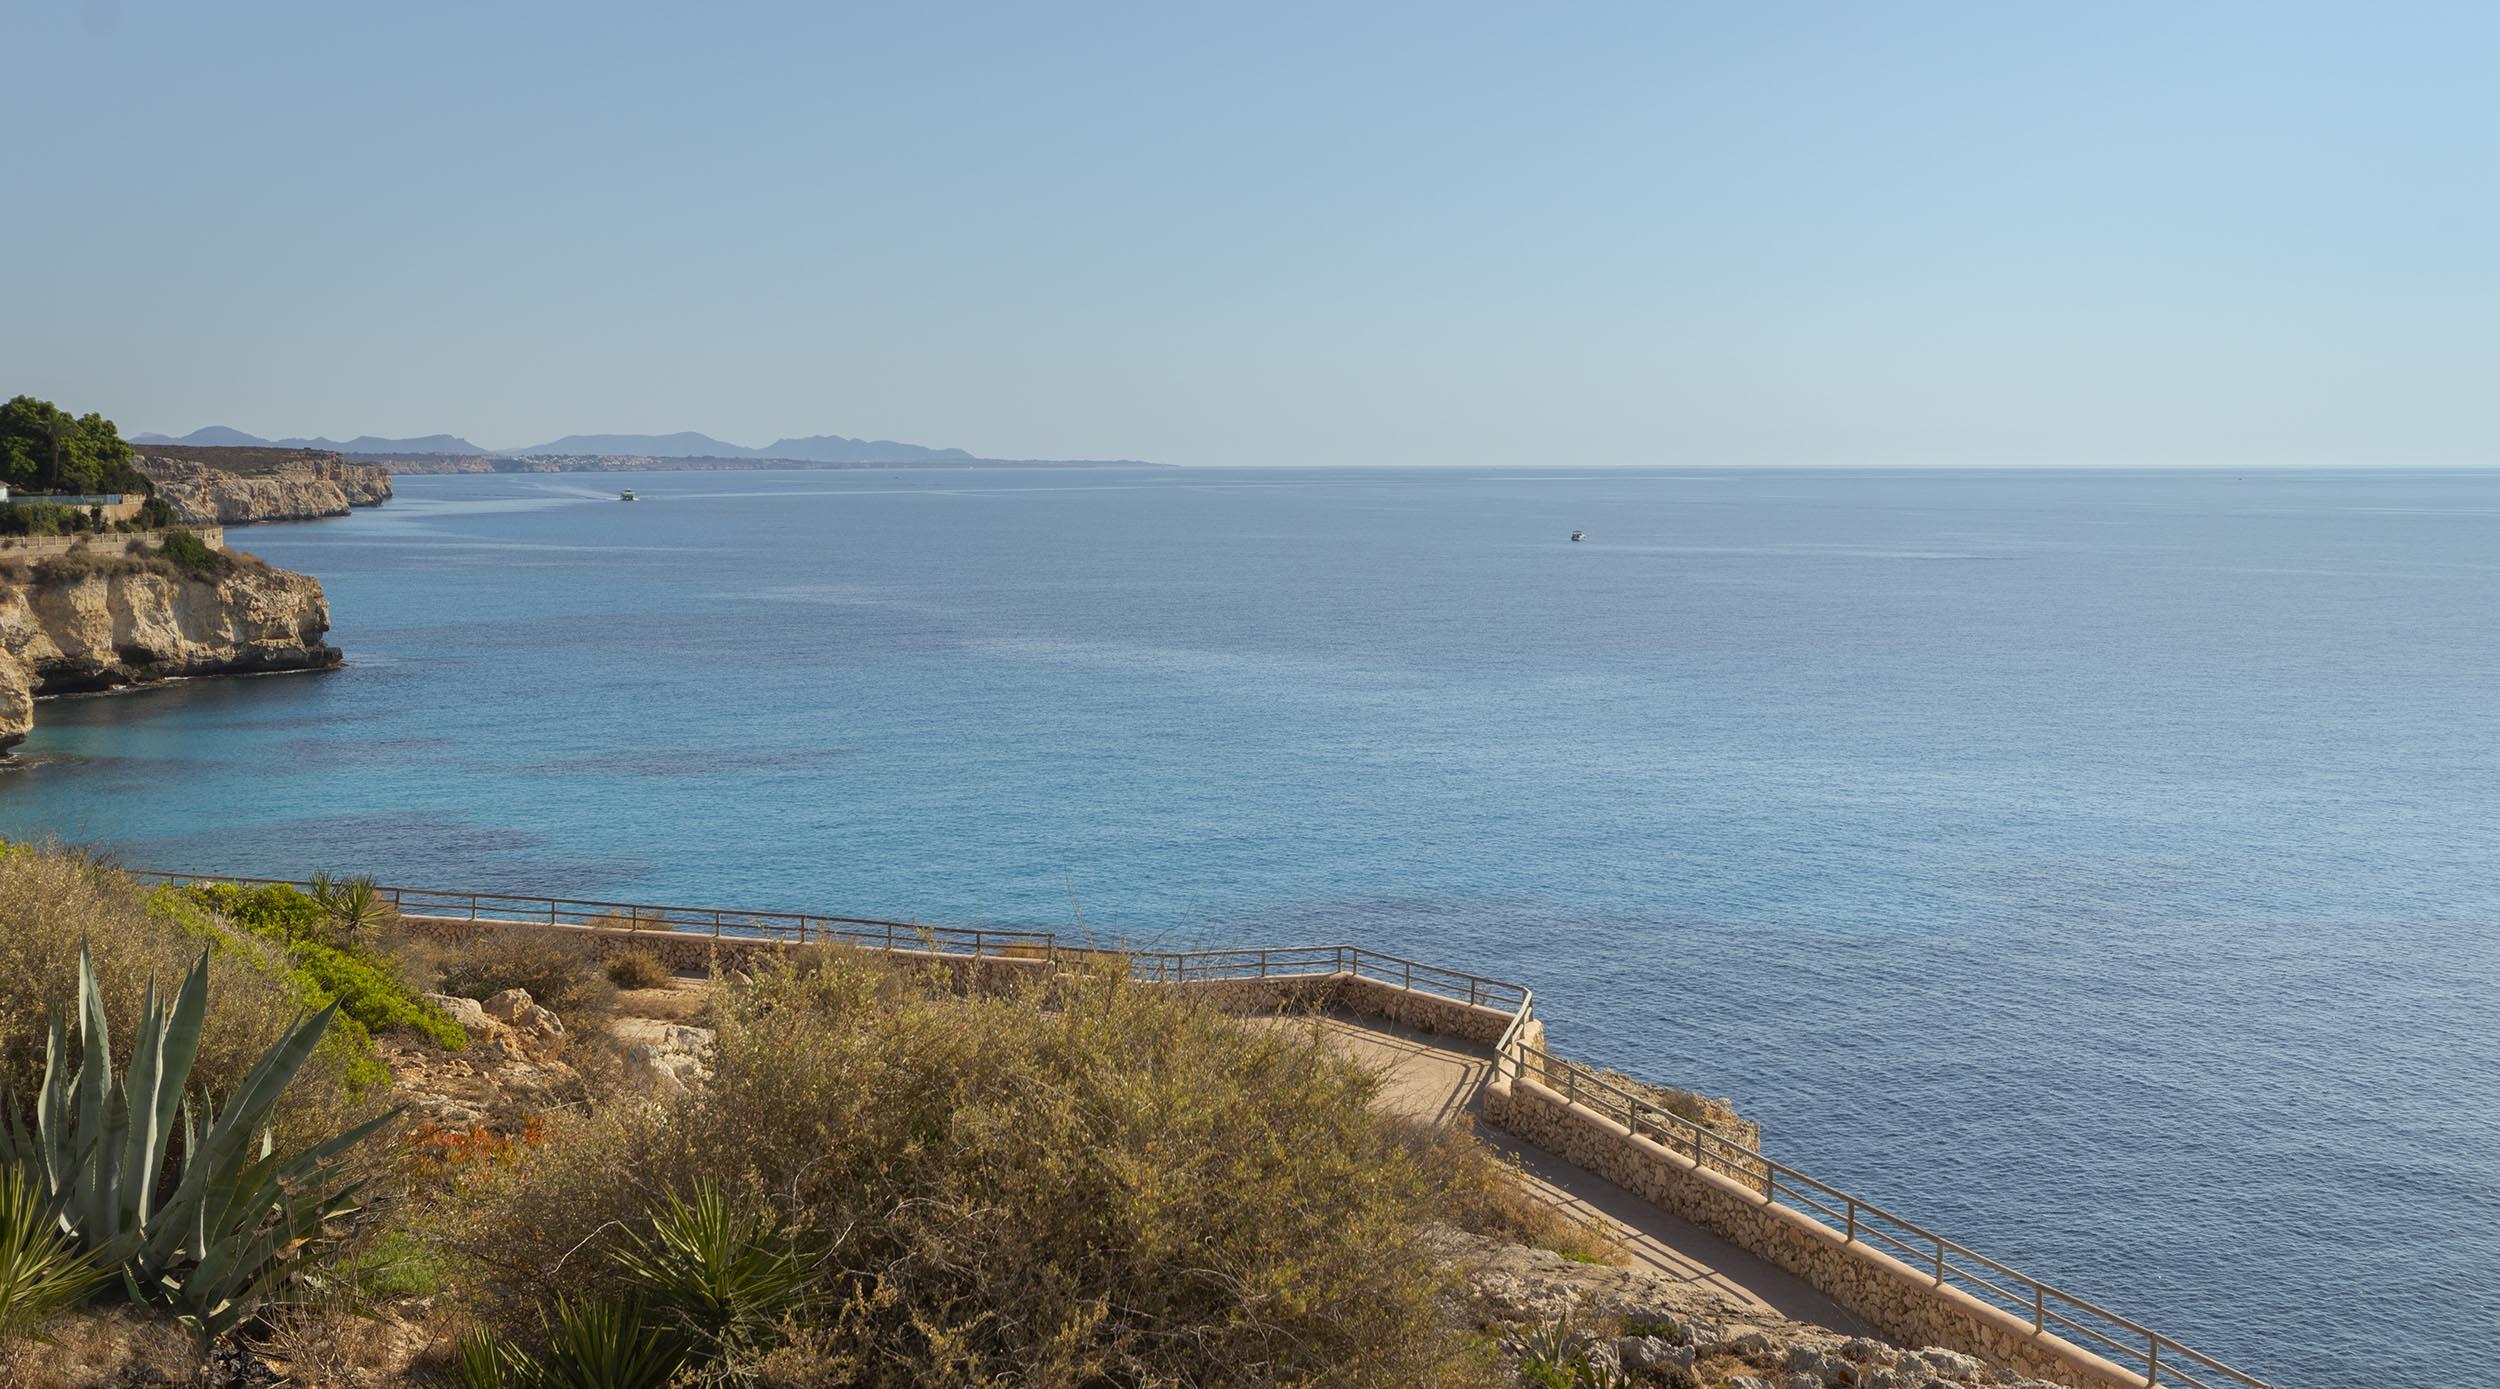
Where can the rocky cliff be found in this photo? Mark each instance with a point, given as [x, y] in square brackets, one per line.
[130, 619]
[253, 485]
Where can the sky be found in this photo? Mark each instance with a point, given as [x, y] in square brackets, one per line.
[2224, 234]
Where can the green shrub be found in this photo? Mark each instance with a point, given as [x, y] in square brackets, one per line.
[638, 969]
[192, 555]
[1078, 1181]
[41, 518]
[368, 989]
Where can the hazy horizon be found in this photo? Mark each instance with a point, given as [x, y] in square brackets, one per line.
[2235, 236]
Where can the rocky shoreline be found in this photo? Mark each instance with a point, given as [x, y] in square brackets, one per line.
[134, 620]
[242, 487]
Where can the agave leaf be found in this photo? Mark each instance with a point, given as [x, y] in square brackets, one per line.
[254, 1100]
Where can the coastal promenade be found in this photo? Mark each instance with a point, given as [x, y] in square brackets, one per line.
[1717, 1211]
[1434, 1079]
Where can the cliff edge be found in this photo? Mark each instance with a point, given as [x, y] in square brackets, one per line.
[241, 487]
[107, 615]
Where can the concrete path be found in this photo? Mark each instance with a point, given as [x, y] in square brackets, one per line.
[1436, 1079]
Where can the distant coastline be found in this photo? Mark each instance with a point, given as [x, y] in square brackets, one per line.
[415, 463]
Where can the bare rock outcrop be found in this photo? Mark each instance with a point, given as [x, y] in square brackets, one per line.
[206, 488]
[130, 622]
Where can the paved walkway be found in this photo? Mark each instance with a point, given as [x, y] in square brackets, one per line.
[1437, 1079]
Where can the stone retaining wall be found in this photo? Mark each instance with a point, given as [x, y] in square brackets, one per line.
[1900, 1302]
[39, 547]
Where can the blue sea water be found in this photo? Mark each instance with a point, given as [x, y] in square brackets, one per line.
[2101, 868]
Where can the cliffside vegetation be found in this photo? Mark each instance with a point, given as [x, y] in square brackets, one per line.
[44, 448]
[879, 1180]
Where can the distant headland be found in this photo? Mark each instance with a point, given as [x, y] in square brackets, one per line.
[450, 453]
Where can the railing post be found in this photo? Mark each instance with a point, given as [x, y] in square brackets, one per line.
[1853, 1225]
[472, 906]
[2039, 1308]
[716, 924]
[1410, 976]
[2152, 1361]
[551, 911]
[1262, 962]
[1939, 1261]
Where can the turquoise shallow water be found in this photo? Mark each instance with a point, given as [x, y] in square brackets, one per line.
[2097, 867]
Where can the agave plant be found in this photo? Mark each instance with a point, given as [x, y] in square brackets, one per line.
[233, 1222]
[42, 1271]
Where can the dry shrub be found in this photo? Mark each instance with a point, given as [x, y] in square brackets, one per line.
[103, 1348]
[638, 969]
[52, 901]
[1480, 1191]
[559, 969]
[1068, 1183]
[337, 1346]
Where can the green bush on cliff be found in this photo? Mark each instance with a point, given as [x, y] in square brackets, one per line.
[44, 448]
[42, 518]
[192, 555]
[368, 991]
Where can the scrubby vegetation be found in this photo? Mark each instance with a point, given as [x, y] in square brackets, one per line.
[1097, 1183]
[331, 955]
[638, 969]
[192, 555]
[53, 903]
[883, 1178]
[560, 971]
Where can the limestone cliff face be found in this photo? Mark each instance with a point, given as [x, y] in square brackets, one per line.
[124, 626]
[293, 485]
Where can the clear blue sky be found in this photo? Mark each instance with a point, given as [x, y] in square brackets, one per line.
[1737, 233]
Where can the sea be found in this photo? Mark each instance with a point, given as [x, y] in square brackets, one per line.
[2101, 868]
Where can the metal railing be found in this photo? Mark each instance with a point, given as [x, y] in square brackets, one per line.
[796, 928]
[2051, 1310]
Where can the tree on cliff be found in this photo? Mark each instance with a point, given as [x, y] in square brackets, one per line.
[44, 448]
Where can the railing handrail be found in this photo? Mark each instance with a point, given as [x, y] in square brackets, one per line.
[1511, 1051]
[2156, 1345]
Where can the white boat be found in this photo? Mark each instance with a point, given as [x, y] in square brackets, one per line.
[1576, 536]
[628, 495]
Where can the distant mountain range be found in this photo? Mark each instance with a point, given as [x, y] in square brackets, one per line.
[219, 436]
[815, 448]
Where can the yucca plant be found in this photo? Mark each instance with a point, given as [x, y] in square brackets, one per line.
[225, 1230]
[42, 1271]
[354, 905]
[602, 1344]
[717, 1268]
